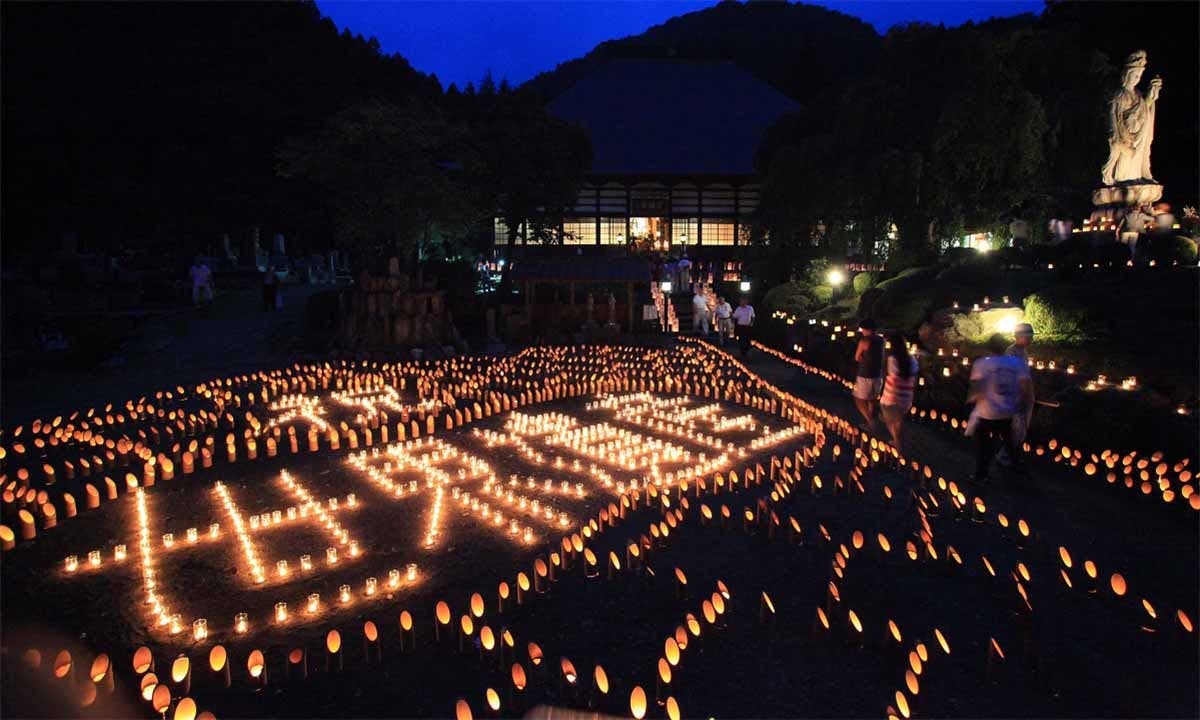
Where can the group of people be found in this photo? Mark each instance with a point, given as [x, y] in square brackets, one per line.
[729, 322]
[1001, 388]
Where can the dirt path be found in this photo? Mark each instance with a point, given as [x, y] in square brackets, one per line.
[1157, 544]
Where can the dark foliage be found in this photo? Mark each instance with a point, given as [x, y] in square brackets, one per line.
[136, 123]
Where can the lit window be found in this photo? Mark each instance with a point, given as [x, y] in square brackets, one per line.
[718, 232]
[685, 231]
[581, 231]
[612, 231]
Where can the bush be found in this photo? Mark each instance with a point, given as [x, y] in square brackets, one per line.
[822, 294]
[791, 297]
[864, 281]
[1057, 314]
[1167, 249]
[817, 271]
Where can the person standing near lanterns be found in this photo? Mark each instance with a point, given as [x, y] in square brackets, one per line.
[201, 282]
[1022, 339]
[270, 286]
[1001, 388]
[700, 313]
[898, 387]
[724, 320]
[743, 320]
[868, 381]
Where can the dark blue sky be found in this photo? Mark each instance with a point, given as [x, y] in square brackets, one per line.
[459, 40]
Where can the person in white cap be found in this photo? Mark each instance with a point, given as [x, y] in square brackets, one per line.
[1022, 339]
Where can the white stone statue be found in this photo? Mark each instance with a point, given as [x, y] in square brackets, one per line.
[1131, 126]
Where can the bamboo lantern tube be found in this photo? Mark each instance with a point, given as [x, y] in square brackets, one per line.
[26, 524]
[256, 666]
[408, 637]
[8, 539]
[181, 674]
[218, 664]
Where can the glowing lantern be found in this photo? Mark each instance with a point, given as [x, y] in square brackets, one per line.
[462, 711]
[1184, 621]
[160, 699]
[185, 709]
[535, 654]
[1118, 584]
[518, 676]
[942, 641]
[147, 685]
[601, 680]
[637, 702]
[143, 660]
[568, 671]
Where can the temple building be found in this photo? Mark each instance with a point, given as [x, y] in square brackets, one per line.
[673, 146]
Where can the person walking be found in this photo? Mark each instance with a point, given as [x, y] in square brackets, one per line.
[1022, 339]
[270, 286]
[724, 320]
[1001, 388]
[898, 387]
[700, 313]
[201, 282]
[868, 380]
[743, 320]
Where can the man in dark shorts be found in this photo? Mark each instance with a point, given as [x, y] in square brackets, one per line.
[868, 381]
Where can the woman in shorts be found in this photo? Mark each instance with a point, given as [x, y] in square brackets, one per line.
[898, 386]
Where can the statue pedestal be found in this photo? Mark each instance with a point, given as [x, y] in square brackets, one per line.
[1113, 202]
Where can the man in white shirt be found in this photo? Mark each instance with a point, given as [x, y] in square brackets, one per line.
[700, 313]
[743, 320]
[1001, 388]
[724, 320]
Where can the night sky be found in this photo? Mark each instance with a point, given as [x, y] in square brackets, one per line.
[459, 40]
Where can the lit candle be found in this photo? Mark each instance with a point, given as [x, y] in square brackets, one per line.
[94, 558]
[306, 562]
[331, 555]
[314, 602]
[168, 539]
[344, 594]
[214, 531]
[280, 612]
[72, 563]
[241, 623]
[371, 584]
[411, 572]
[199, 629]
[282, 568]
[119, 553]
